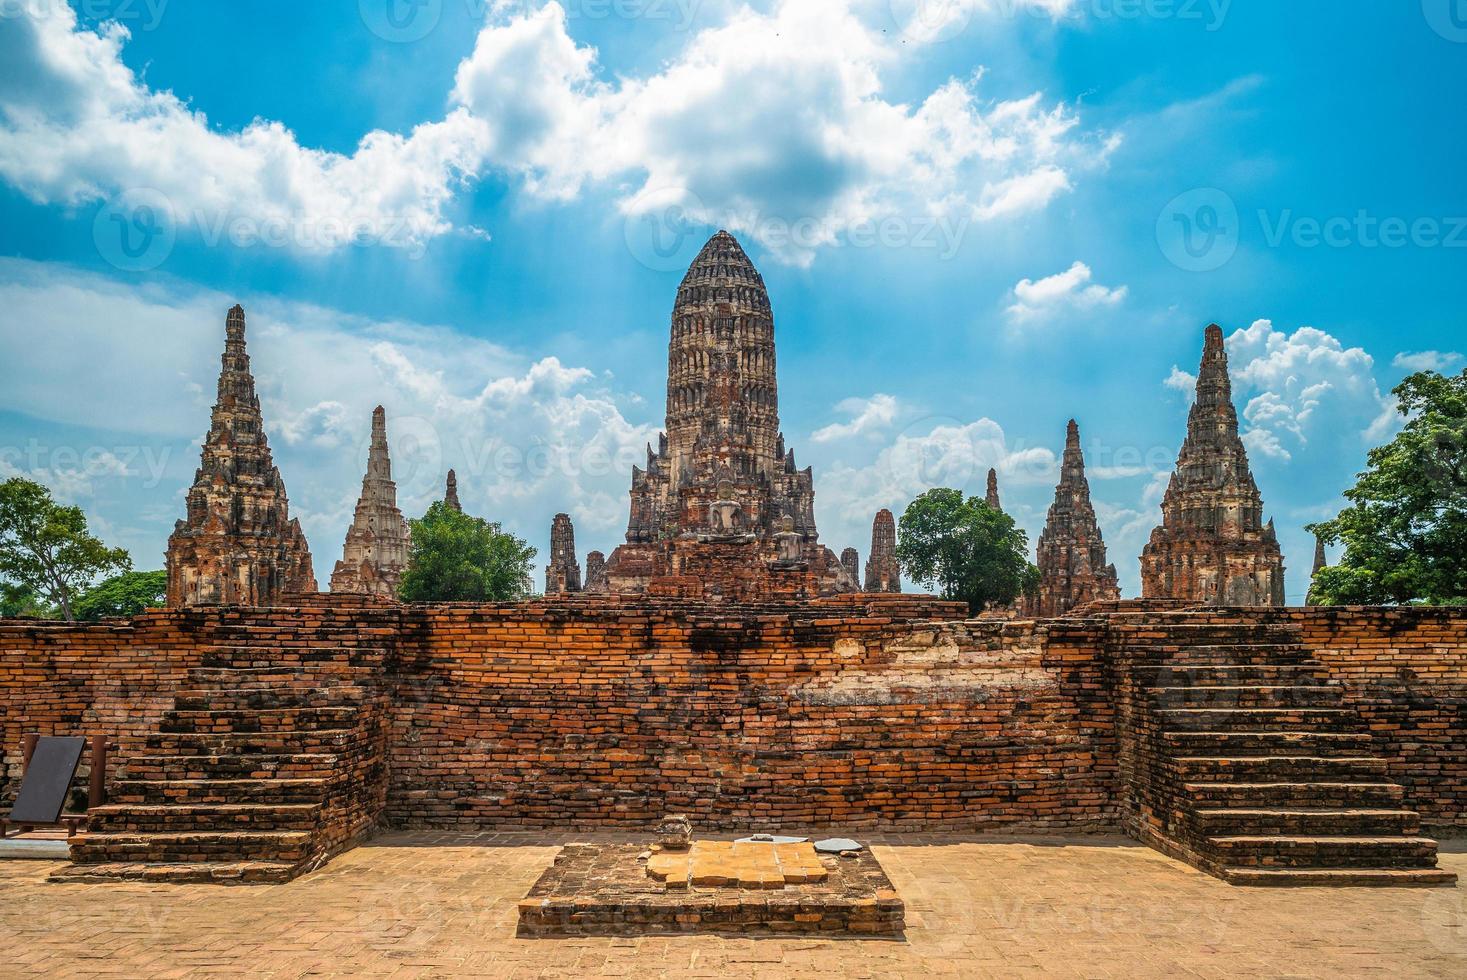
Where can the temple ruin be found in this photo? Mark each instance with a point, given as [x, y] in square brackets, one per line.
[377, 543]
[709, 511]
[562, 572]
[1213, 545]
[237, 542]
[883, 573]
[991, 498]
[1073, 569]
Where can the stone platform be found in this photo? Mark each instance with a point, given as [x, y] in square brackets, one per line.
[610, 890]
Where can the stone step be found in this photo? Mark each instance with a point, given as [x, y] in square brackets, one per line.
[261, 720]
[1253, 696]
[1285, 768]
[1311, 720]
[191, 846]
[257, 765]
[215, 872]
[244, 743]
[1307, 823]
[1307, 794]
[119, 818]
[1256, 743]
[216, 791]
[1254, 851]
[1340, 877]
[1228, 675]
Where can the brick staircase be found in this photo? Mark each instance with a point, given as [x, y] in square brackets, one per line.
[1250, 764]
[269, 762]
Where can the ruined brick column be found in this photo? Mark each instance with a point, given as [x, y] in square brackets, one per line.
[450, 492]
[1073, 569]
[1213, 545]
[992, 498]
[851, 560]
[237, 543]
[562, 572]
[596, 573]
[376, 548]
[1320, 561]
[882, 572]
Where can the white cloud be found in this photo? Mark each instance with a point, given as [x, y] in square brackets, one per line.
[868, 417]
[1441, 362]
[771, 123]
[1180, 380]
[1071, 290]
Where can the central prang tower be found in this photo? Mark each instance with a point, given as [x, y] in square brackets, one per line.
[721, 506]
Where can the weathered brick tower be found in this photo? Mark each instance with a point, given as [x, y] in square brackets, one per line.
[1213, 545]
[706, 511]
[237, 543]
[883, 574]
[1073, 569]
[376, 548]
[563, 572]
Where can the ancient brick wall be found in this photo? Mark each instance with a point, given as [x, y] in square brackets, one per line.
[614, 715]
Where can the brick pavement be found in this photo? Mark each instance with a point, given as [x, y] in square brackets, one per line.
[431, 905]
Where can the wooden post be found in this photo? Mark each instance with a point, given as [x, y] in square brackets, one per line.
[97, 793]
[28, 749]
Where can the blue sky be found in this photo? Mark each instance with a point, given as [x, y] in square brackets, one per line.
[976, 219]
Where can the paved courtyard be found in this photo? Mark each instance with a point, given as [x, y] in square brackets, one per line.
[429, 905]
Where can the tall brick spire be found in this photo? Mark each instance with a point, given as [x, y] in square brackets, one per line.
[992, 498]
[1213, 545]
[376, 548]
[1073, 569]
[883, 574]
[237, 543]
[450, 492]
[1321, 560]
[562, 572]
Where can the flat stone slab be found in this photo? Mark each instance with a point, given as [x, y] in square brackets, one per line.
[607, 889]
[23, 849]
[737, 864]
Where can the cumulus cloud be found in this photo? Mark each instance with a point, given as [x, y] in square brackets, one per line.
[773, 123]
[529, 436]
[868, 417]
[1442, 362]
[1071, 290]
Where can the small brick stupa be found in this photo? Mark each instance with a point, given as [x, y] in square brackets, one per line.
[237, 543]
[1213, 546]
[376, 548]
[1073, 569]
[563, 572]
[883, 574]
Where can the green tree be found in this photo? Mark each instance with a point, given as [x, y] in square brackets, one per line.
[122, 595]
[46, 549]
[1405, 531]
[965, 549]
[16, 600]
[458, 558]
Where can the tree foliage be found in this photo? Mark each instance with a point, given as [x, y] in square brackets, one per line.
[122, 595]
[965, 549]
[458, 558]
[16, 600]
[1405, 531]
[46, 550]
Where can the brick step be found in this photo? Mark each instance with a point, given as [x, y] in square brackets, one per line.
[232, 677]
[1228, 675]
[1339, 877]
[1283, 769]
[256, 765]
[244, 743]
[261, 720]
[187, 846]
[1308, 794]
[1229, 655]
[215, 872]
[302, 694]
[1307, 823]
[1255, 743]
[1312, 720]
[118, 818]
[1324, 852]
[297, 659]
[151, 792]
[1253, 696]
